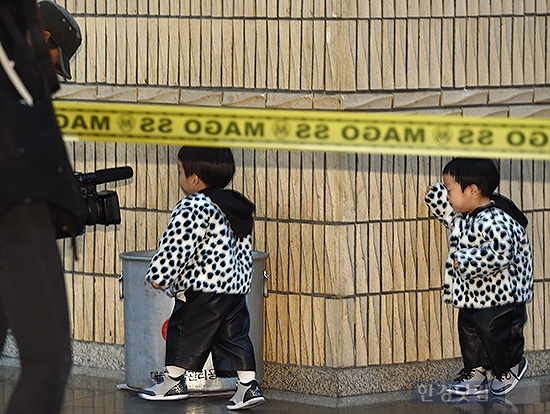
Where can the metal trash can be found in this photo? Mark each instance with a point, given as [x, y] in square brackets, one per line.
[146, 309]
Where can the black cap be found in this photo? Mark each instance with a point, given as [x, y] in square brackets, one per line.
[64, 31]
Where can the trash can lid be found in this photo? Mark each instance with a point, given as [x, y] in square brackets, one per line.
[147, 255]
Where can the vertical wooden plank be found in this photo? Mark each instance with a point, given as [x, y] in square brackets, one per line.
[294, 329]
[398, 335]
[306, 258]
[141, 61]
[250, 53]
[386, 329]
[518, 50]
[340, 192]
[99, 326]
[162, 51]
[471, 43]
[506, 48]
[270, 335]
[339, 333]
[110, 50]
[406, 54]
[397, 253]
[483, 52]
[195, 52]
[183, 53]
[529, 52]
[295, 54]
[283, 45]
[319, 277]
[447, 44]
[319, 51]
[494, 51]
[238, 54]
[272, 54]
[460, 55]
[425, 52]
[306, 330]
[294, 257]
[319, 327]
[361, 333]
[261, 57]
[388, 53]
[423, 325]
[540, 46]
[374, 257]
[78, 310]
[90, 42]
[436, 325]
[374, 328]
[216, 50]
[363, 59]
[111, 296]
[362, 259]
[339, 260]
[435, 53]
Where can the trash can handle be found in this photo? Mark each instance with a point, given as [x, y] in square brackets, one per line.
[266, 279]
[121, 285]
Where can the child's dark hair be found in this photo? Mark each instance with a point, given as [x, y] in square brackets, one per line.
[214, 166]
[484, 173]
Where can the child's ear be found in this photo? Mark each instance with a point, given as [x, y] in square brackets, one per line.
[474, 190]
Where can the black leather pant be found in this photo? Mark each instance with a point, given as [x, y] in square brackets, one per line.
[492, 337]
[33, 303]
[210, 322]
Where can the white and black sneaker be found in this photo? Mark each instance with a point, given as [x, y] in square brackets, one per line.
[471, 382]
[507, 381]
[165, 388]
[247, 396]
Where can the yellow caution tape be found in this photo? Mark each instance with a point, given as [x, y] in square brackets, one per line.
[313, 130]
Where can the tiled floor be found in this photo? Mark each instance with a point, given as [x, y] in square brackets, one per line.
[86, 396]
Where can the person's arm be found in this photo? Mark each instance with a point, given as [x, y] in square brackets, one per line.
[176, 247]
[436, 199]
[498, 250]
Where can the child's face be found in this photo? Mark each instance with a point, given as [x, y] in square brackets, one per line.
[461, 201]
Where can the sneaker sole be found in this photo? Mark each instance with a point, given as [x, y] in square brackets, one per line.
[163, 397]
[467, 393]
[249, 404]
[520, 376]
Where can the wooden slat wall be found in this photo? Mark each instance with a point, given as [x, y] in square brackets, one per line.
[355, 261]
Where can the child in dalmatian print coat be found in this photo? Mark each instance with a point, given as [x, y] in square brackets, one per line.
[488, 274]
[204, 260]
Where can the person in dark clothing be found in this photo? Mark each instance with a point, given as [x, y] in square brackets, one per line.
[39, 199]
[204, 259]
[488, 274]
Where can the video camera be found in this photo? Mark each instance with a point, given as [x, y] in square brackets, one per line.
[101, 207]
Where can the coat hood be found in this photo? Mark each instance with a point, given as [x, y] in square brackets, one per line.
[236, 207]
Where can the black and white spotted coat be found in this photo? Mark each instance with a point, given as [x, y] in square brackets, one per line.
[199, 251]
[493, 254]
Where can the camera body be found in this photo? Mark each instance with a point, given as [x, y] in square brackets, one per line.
[101, 207]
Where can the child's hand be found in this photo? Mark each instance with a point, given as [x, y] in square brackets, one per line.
[456, 264]
[428, 189]
[157, 286]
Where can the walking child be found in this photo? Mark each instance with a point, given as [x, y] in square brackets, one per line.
[205, 261]
[488, 274]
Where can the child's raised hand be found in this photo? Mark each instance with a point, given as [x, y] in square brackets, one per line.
[428, 189]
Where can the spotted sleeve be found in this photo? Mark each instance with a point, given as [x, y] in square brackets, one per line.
[436, 199]
[179, 242]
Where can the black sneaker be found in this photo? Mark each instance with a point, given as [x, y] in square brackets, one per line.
[247, 396]
[165, 388]
[472, 382]
[507, 381]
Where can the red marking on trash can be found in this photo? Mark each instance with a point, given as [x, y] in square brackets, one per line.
[165, 329]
